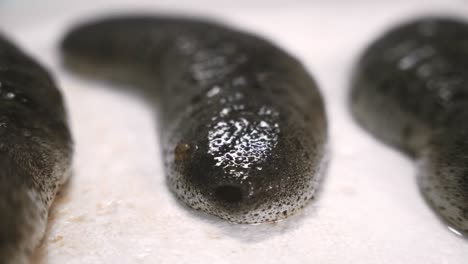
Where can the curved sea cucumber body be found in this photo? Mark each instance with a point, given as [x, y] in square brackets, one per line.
[242, 123]
[410, 89]
[35, 151]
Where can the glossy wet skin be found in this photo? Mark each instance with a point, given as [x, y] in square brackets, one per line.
[35, 152]
[410, 89]
[242, 123]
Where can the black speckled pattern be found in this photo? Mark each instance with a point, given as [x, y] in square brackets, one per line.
[243, 124]
[35, 152]
[410, 89]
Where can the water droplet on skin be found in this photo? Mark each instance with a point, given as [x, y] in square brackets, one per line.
[213, 91]
[456, 232]
[238, 144]
[415, 57]
[263, 124]
[225, 111]
[10, 95]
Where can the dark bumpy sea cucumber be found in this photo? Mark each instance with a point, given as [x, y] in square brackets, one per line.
[35, 151]
[410, 89]
[242, 123]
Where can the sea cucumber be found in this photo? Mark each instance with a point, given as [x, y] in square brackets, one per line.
[242, 123]
[410, 89]
[35, 151]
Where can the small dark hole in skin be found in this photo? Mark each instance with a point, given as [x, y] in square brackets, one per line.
[229, 193]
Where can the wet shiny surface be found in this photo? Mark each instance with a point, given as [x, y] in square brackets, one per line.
[244, 127]
[411, 90]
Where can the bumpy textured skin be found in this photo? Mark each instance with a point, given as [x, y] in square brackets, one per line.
[410, 89]
[35, 152]
[243, 124]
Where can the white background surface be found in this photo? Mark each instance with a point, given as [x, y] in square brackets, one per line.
[117, 208]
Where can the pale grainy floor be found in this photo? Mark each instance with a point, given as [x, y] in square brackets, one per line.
[117, 208]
